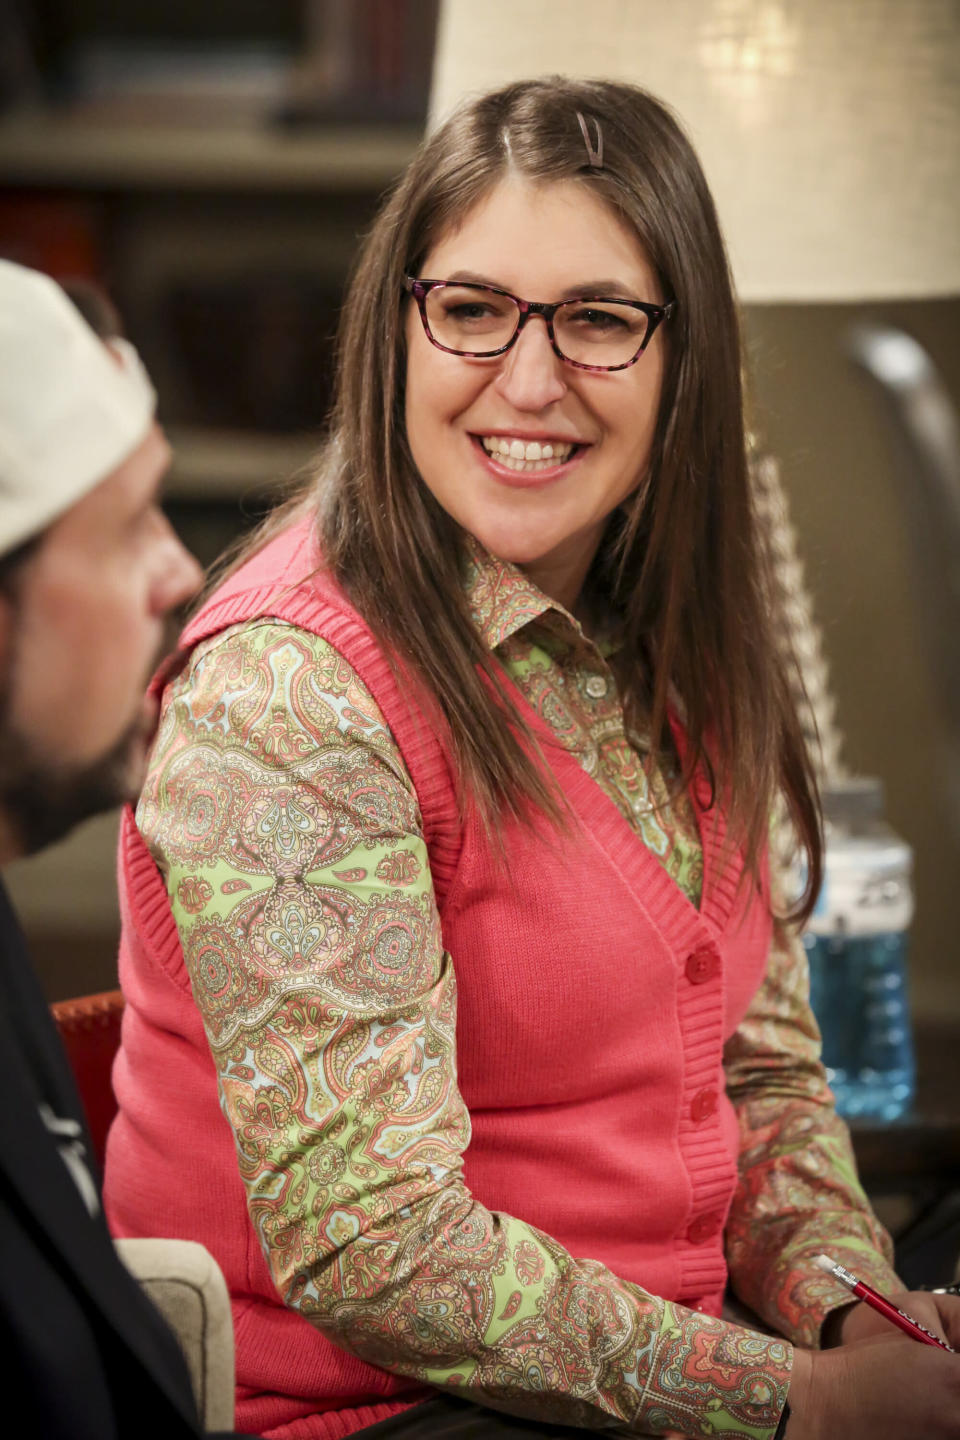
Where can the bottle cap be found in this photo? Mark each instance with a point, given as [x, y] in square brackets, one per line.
[857, 797]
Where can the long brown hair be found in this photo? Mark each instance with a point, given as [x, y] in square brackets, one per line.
[679, 562]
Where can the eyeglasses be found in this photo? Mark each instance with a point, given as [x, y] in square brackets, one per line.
[480, 321]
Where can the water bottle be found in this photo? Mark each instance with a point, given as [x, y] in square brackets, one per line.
[857, 947]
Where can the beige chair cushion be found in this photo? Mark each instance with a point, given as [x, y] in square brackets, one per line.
[186, 1284]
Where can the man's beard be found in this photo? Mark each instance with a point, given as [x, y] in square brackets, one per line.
[42, 800]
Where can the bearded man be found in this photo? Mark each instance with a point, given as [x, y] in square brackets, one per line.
[89, 571]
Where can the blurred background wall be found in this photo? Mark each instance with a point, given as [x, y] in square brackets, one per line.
[844, 475]
[214, 165]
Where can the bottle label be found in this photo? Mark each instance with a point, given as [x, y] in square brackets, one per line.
[864, 893]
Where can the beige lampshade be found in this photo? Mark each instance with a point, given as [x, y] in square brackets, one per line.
[829, 129]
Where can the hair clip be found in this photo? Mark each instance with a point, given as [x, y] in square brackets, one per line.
[594, 151]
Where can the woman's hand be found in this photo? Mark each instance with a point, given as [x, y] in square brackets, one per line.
[868, 1391]
[872, 1390]
[939, 1313]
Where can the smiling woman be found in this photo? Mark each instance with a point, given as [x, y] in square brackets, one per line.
[545, 514]
[454, 839]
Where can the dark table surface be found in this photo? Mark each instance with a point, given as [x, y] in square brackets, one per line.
[922, 1148]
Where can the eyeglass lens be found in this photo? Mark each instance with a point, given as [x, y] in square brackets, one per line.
[476, 321]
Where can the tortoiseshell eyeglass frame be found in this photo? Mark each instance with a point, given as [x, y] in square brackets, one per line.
[656, 314]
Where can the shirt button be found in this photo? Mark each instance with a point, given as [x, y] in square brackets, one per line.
[703, 1228]
[703, 1105]
[596, 687]
[702, 965]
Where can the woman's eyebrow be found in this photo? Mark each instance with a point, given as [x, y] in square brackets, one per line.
[472, 277]
[614, 289]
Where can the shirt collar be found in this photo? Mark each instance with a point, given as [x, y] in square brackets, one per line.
[503, 599]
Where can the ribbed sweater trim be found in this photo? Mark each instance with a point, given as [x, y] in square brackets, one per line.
[336, 1424]
[146, 904]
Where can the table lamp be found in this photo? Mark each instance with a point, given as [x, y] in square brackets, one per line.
[829, 131]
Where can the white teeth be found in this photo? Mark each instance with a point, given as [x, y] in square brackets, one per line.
[525, 455]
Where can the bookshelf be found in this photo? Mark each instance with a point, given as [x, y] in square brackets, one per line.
[49, 149]
[212, 167]
[256, 225]
[243, 230]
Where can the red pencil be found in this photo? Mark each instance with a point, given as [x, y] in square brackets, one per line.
[884, 1307]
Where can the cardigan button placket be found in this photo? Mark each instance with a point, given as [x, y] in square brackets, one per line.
[702, 965]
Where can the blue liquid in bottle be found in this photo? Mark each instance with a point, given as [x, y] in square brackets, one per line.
[858, 989]
[857, 947]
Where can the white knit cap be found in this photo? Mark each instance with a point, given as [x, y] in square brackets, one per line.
[69, 413]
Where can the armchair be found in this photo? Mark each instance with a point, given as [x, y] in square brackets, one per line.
[181, 1277]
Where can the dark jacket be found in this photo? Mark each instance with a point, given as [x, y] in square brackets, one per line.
[84, 1349]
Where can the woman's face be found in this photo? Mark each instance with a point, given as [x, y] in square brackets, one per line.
[541, 242]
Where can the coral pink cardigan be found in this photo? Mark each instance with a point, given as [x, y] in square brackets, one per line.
[590, 1056]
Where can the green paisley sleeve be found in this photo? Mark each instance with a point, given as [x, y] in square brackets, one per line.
[312, 940]
[798, 1192]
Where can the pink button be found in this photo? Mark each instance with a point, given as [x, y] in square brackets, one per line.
[703, 1105]
[703, 1228]
[702, 965]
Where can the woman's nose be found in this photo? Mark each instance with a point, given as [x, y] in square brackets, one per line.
[532, 376]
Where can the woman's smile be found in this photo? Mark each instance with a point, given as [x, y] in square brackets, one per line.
[528, 461]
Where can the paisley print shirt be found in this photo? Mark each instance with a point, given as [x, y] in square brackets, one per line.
[310, 1055]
